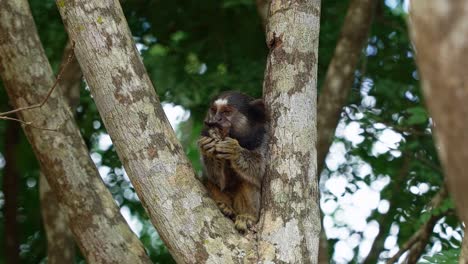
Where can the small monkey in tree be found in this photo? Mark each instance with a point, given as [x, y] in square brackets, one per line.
[233, 146]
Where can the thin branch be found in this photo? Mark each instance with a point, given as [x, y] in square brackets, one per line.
[59, 77]
[24, 123]
[420, 239]
[386, 220]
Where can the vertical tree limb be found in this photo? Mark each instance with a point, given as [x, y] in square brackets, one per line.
[60, 243]
[290, 224]
[340, 74]
[71, 78]
[188, 221]
[438, 30]
[10, 188]
[100, 230]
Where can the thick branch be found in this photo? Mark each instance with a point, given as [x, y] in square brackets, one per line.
[438, 29]
[290, 224]
[71, 78]
[99, 229]
[188, 221]
[60, 243]
[340, 74]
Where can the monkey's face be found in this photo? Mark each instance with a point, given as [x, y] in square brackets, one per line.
[226, 114]
[221, 114]
[235, 114]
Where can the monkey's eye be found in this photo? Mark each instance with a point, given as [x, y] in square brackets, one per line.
[227, 111]
[213, 108]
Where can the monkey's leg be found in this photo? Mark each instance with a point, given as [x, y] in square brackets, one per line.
[247, 206]
[223, 201]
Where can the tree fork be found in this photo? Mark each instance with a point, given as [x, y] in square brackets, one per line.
[187, 220]
[99, 229]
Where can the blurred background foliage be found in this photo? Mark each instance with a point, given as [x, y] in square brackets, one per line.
[382, 170]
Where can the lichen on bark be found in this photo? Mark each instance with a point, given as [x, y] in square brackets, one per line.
[186, 219]
[99, 229]
[290, 224]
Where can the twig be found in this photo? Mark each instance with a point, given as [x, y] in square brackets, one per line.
[39, 105]
[26, 123]
[422, 235]
[59, 77]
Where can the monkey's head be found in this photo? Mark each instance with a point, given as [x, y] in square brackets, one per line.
[238, 116]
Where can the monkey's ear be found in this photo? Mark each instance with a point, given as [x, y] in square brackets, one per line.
[257, 110]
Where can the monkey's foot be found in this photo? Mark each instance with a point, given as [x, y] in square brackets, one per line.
[244, 222]
[226, 209]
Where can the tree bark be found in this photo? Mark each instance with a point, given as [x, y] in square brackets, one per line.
[191, 225]
[60, 243]
[71, 78]
[340, 74]
[10, 188]
[438, 30]
[290, 224]
[99, 229]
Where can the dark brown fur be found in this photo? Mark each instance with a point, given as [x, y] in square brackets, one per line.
[233, 146]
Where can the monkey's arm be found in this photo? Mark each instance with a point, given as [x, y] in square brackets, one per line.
[249, 164]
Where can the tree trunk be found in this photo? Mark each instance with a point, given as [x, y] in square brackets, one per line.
[438, 29]
[10, 186]
[60, 243]
[340, 74]
[190, 223]
[99, 229]
[290, 224]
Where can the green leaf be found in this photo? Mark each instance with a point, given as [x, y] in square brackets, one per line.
[418, 116]
[158, 50]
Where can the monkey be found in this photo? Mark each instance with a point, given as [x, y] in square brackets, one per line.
[233, 146]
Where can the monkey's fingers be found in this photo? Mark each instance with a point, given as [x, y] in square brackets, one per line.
[225, 149]
[229, 143]
[204, 140]
[227, 156]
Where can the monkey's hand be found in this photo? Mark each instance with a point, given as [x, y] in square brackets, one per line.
[207, 146]
[228, 149]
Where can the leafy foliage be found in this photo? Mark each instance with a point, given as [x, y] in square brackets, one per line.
[444, 257]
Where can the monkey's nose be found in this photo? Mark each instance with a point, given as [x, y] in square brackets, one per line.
[211, 123]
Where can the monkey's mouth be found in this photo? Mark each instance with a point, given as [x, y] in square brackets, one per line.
[222, 128]
[218, 125]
